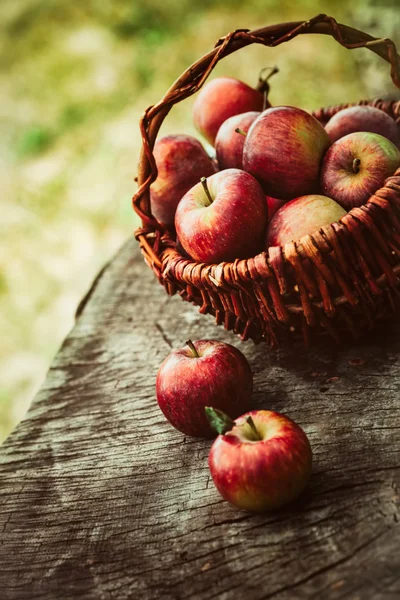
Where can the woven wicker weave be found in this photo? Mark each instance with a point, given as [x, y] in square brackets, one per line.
[341, 278]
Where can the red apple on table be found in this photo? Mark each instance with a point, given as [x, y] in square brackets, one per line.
[274, 204]
[203, 373]
[363, 118]
[302, 216]
[181, 160]
[283, 150]
[222, 218]
[220, 99]
[230, 140]
[356, 166]
[261, 461]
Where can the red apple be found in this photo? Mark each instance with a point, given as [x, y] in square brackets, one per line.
[181, 160]
[356, 166]
[274, 204]
[222, 219]
[300, 217]
[203, 373]
[220, 99]
[229, 142]
[261, 461]
[283, 150]
[363, 118]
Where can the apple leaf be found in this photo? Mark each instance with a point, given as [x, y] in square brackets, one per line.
[219, 420]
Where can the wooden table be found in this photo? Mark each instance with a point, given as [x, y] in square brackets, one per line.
[100, 498]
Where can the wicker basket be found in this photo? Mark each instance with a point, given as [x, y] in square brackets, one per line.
[340, 279]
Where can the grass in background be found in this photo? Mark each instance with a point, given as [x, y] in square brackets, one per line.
[75, 78]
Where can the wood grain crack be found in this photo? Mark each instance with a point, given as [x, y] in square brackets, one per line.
[163, 334]
[329, 567]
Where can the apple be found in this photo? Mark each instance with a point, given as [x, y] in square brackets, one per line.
[222, 218]
[261, 461]
[230, 140]
[206, 372]
[363, 118]
[356, 166]
[274, 204]
[283, 150]
[220, 99]
[300, 217]
[181, 160]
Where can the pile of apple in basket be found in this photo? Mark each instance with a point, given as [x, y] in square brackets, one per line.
[277, 175]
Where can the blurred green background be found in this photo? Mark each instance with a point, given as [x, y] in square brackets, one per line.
[75, 78]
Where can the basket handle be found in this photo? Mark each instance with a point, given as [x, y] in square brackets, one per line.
[194, 77]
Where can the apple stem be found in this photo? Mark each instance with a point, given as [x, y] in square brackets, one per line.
[266, 104]
[219, 420]
[250, 421]
[193, 348]
[356, 165]
[238, 130]
[262, 79]
[263, 85]
[205, 187]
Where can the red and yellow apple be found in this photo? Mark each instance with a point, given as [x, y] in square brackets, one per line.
[302, 216]
[363, 118]
[356, 166]
[261, 461]
[283, 150]
[181, 160]
[230, 140]
[203, 373]
[220, 99]
[222, 218]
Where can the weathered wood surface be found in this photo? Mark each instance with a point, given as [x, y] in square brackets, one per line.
[101, 498]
